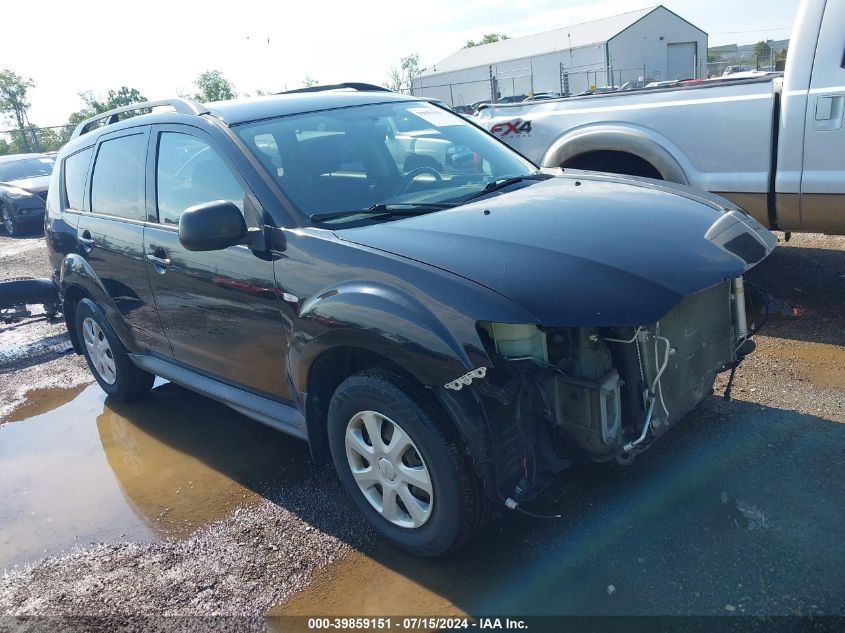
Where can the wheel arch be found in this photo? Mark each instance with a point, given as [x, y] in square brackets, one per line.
[641, 143]
[77, 281]
[361, 325]
[325, 373]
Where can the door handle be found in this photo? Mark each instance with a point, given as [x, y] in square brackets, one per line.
[86, 241]
[158, 258]
[829, 112]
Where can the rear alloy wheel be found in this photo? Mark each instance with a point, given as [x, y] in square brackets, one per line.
[404, 464]
[106, 356]
[9, 222]
[99, 350]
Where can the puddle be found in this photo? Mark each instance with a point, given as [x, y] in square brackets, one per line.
[825, 364]
[92, 470]
[38, 401]
[363, 585]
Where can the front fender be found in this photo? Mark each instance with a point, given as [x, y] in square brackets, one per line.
[388, 322]
[642, 142]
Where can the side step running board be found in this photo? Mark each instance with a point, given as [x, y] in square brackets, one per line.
[278, 415]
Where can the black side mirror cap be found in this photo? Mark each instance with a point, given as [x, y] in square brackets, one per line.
[212, 226]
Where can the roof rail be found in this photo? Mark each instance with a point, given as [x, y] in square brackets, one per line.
[181, 105]
[350, 84]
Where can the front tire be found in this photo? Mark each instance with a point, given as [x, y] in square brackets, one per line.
[9, 221]
[107, 358]
[404, 464]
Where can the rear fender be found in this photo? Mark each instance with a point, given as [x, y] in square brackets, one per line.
[642, 142]
[77, 277]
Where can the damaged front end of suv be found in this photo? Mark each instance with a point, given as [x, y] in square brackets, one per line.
[558, 396]
[619, 354]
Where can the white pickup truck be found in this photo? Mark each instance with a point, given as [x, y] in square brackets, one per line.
[774, 145]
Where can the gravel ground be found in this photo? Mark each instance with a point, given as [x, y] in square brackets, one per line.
[761, 523]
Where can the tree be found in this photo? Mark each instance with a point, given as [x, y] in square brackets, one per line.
[49, 139]
[762, 49]
[402, 79]
[309, 81]
[13, 102]
[213, 86]
[124, 96]
[487, 39]
[780, 55]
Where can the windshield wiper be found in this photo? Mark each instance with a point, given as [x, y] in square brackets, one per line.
[500, 183]
[397, 208]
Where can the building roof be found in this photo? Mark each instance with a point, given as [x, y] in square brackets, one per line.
[592, 32]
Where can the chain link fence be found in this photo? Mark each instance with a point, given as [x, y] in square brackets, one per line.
[34, 139]
[516, 84]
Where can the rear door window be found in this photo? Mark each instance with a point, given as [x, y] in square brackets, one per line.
[117, 184]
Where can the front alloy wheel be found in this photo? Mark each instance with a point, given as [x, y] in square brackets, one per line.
[404, 463]
[389, 470]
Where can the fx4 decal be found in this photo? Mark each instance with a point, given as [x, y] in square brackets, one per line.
[517, 127]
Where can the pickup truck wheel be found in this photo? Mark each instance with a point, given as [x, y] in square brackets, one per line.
[404, 465]
[106, 356]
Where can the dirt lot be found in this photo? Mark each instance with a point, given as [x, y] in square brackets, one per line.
[177, 505]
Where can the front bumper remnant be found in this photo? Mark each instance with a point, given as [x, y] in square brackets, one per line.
[466, 379]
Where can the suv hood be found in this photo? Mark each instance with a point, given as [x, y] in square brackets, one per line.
[585, 249]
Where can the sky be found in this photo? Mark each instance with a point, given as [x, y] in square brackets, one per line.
[160, 47]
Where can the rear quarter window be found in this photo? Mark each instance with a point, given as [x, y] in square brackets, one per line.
[75, 172]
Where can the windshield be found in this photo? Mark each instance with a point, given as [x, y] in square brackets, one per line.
[26, 168]
[335, 162]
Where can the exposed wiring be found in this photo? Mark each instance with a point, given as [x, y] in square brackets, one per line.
[619, 340]
[656, 385]
[657, 381]
[538, 516]
[646, 423]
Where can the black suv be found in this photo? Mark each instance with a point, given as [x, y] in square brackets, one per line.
[376, 275]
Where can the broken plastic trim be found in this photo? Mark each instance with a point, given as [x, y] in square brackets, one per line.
[466, 379]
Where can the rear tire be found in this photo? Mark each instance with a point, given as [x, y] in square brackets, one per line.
[417, 488]
[107, 358]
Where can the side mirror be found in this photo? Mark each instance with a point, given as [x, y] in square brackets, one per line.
[212, 226]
